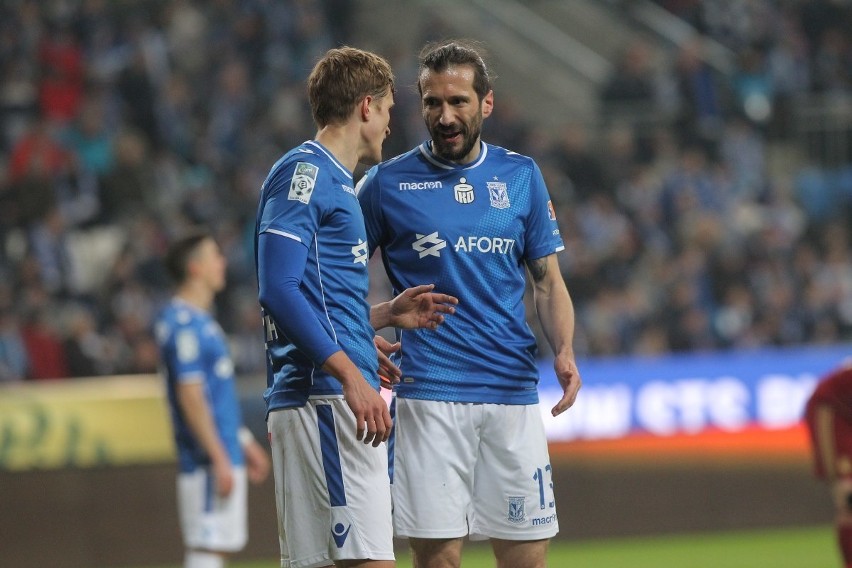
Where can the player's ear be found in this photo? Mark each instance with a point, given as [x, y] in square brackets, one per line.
[364, 109]
[487, 104]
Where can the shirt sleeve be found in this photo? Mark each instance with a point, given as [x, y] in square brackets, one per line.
[281, 264]
[542, 230]
[291, 206]
[369, 197]
[187, 356]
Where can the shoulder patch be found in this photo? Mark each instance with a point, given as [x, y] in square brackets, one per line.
[303, 182]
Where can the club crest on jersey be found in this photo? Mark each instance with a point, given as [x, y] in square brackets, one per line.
[498, 195]
[516, 514]
[303, 182]
[463, 192]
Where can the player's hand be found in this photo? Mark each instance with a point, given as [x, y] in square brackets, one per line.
[372, 419]
[223, 472]
[257, 462]
[389, 374]
[418, 307]
[569, 380]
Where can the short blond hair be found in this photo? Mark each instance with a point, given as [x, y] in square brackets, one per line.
[344, 76]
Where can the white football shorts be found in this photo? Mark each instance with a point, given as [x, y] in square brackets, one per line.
[471, 469]
[332, 491]
[210, 522]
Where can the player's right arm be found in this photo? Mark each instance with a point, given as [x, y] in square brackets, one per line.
[281, 264]
[196, 412]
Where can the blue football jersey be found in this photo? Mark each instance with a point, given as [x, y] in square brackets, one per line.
[309, 197]
[193, 348]
[468, 229]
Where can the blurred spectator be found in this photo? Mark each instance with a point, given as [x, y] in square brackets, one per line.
[14, 358]
[44, 344]
[62, 69]
[685, 225]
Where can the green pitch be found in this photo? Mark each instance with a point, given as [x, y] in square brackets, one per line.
[812, 547]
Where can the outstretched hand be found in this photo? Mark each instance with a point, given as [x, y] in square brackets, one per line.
[419, 307]
[569, 380]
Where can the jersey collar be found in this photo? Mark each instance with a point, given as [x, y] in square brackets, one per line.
[426, 150]
[319, 147]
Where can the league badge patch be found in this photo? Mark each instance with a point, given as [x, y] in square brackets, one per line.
[303, 182]
[463, 192]
[517, 513]
[498, 195]
[551, 212]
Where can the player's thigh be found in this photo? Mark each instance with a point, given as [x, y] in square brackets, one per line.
[514, 498]
[209, 521]
[434, 458]
[332, 491]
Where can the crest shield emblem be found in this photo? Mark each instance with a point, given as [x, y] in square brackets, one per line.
[516, 512]
[498, 195]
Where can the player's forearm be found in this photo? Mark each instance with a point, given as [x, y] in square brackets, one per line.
[196, 412]
[381, 315]
[556, 315]
[341, 367]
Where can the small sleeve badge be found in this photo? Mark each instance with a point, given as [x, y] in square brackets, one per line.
[303, 182]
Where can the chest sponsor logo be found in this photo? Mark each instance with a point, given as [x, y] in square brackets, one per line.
[429, 245]
[303, 182]
[463, 192]
[494, 245]
[359, 251]
[415, 185]
[498, 195]
[347, 189]
[516, 513]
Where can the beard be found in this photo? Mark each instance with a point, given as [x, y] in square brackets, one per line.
[470, 134]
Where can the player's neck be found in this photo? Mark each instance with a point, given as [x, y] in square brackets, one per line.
[342, 142]
[196, 295]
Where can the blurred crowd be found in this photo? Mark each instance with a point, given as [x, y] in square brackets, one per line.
[123, 123]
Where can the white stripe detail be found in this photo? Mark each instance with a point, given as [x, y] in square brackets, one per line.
[284, 234]
[322, 293]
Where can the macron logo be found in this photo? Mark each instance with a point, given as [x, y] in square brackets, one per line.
[415, 185]
[359, 251]
[339, 534]
[429, 245]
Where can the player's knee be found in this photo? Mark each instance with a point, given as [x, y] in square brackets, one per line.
[436, 553]
[520, 554]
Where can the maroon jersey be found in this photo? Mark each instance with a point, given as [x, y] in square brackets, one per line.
[828, 415]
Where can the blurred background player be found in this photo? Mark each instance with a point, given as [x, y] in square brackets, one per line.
[828, 415]
[333, 494]
[216, 453]
[470, 453]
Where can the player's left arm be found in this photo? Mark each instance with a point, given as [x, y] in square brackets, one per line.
[556, 314]
[257, 460]
[415, 307]
[199, 417]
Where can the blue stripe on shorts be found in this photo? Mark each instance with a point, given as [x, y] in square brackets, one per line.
[391, 439]
[330, 456]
